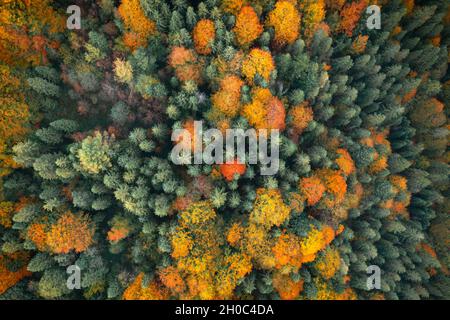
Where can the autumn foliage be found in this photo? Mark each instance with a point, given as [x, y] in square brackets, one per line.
[138, 26]
[247, 28]
[285, 19]
[350, 15]
[265, 111]
[227, 99]
[229, 170]
[9, 278]
[203, 34]
[70, 232]
[186, 64]
[137, 291]
[257, 62]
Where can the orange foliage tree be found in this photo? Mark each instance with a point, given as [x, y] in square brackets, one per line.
[312, 188]
[345, 161]
[299, 117]
[138, 27]
[204, 34]
[265, 111]
[287, 252]
[136, 291]
[350, 15]
[186, 64]
[229, 170]
[227, 99]
[22, 31]
[287, 288]
[9, 278]
[71, 232]
[335, 184]
[247, 28]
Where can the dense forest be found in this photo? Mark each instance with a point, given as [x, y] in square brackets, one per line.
[86, 122]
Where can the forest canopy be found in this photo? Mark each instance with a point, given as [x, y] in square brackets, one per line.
[86, 177]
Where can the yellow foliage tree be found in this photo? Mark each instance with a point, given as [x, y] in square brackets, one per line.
[258, 61]
[313, 13]
[285, 19]
[329, 263]
[269, 209]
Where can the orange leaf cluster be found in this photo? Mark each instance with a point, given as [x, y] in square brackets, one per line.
[287, 288]
[138, 26]
[234, 234]
[117, 234]
[399, 182]
[345, 162]
[186, 64]
[10, 278]
[229, 170]
[285, 19]
[120, 229]
[227, 99]
[300, 117]
[136, 291]
[22, 27]
[350, 15]
[288, 253]
[379, 164]
[258, 61]
[335, 185]
[37, 233]
[247, 28]
[203, 35]
[359, 45]
[313, 189]
[265, 111]
[71, 232]
[171, 278]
